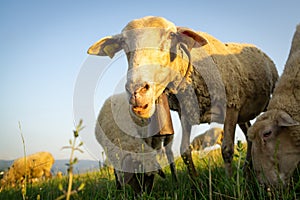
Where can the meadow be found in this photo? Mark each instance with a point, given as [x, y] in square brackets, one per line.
[214, 184]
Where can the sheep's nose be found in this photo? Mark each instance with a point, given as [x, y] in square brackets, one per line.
[136, 93]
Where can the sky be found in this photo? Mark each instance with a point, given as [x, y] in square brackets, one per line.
[48, 81]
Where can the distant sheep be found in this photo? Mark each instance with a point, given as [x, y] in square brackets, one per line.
[276, 133]
[120, 134]
[207, 80]
[207, 139]
[38, 165]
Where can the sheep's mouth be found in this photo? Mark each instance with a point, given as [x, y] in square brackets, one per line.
[140, 110]
[144, 111]
[137, 108]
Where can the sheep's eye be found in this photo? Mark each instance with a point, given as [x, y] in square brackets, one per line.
[172, 35]
[122, 42]
[267, 134]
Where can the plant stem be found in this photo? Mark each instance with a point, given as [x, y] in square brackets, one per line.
[71, 170]
[25, 163]
[240, 150]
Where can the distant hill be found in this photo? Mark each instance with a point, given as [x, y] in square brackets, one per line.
[81, 167]
[4, 164]
[60, 165]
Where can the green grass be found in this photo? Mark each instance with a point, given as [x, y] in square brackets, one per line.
[214, 185]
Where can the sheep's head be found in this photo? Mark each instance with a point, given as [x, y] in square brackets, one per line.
[275, 149]
[158, 58]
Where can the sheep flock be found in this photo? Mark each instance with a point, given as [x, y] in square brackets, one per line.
[207, 81]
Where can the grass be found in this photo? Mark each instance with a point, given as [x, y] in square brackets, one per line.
[212, 181]
[25, 163]
[214, 184]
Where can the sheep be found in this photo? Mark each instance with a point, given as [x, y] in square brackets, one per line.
[128, 146]
[38, 165]
[209, 138]
[276, 133]
[206, 80]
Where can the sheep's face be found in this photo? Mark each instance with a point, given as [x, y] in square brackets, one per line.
[158, 58]
[275, 153]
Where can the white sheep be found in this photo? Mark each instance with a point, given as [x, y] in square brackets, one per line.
[207, 80]
[120, 134]
[209, 138]
[276, 133]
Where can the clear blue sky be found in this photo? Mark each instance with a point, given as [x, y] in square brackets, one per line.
[43, 47]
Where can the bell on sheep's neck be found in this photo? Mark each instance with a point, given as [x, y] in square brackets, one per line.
[161, 122]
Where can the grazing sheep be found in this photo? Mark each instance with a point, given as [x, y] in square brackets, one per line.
[120, 134]
[276, 133]
[225, 83]
[38, 165]
[207, 139]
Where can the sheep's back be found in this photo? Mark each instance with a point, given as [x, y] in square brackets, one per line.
[286, 95]
[244, 74]
[36, 162]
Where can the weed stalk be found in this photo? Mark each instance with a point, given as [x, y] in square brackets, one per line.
[72, 161]
[24, 188]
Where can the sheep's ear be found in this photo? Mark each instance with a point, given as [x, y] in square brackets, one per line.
[284, 119]
[106, 46]
[191, 37]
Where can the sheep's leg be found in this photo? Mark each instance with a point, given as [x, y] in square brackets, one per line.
[248, 161]
[47, 174]
[148, 183]
[118, 185]
[167, 143]
[156, 142]
[185, 149]
[168, 147]
[136, 183]
[228, 141]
